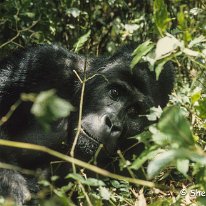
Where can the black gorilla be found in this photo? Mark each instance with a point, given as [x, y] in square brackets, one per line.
[115, 102]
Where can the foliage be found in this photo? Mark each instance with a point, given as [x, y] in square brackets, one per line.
[174, 157]
[48, 107]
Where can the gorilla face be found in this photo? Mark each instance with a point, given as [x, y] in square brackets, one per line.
[114, 110]
[115, 104]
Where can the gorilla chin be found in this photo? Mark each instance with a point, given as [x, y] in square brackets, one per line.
[87, 144]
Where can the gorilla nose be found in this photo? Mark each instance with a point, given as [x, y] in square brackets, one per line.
[112, 125]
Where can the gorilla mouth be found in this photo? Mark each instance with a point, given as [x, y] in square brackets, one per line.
[89, 135]
[87, 144]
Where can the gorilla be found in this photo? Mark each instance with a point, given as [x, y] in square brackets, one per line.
[116, 100]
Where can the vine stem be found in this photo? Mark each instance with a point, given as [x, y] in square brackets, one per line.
[80, 113]
[75, 161]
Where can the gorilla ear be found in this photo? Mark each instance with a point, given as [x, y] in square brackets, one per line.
[166, 83]
[159, 89]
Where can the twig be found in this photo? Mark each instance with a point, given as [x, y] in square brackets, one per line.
[85, 194]
[12, 167]
[24, 97]
[75, 161]
[80, 114]
[78, 76]
[10, 112]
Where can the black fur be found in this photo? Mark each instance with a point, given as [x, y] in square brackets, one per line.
[115, 101]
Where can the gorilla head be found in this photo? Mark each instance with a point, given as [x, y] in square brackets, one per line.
[116, 98]
[116, 101]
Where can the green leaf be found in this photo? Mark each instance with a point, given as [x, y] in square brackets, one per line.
[144, 137]
[160, 67]
[155, 113]
[48, 107]
[141, 51]
[182, 24]
[164, 159]
[145, 155]
[196, 96]
[44, 183]
[74, 12]
[94, 182]
[75, 176]
[183, 166]
[159, 64]
[190, 52]
[89, 181]
[160, 162]
[197, 41]
[81, 41]
[161, 17]
[158, 137]
[174, 124]
[116, 184]
[201, 108]
[54, 178]
[30, 14]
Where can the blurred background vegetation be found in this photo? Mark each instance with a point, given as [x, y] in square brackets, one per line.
[111, 22]
[177, 28]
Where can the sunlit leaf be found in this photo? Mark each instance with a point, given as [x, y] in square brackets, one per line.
[190, 52]
[171, 156]
[165, 46]
[198, 40]
[159, 137]
[160, 162]
[155, 113]
[74, 12]
[183, 166]
[196, 96]
[105, 193]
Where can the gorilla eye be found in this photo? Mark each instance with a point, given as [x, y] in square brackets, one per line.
[114, 93]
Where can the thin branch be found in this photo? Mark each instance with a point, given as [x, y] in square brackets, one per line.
[78, 76]
[12, 167]
[75, 161]
[80, 115]
[10, 112]
[85, 194]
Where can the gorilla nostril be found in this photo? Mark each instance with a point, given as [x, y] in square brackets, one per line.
[108, 122]
[116, 128]
[112, 126]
